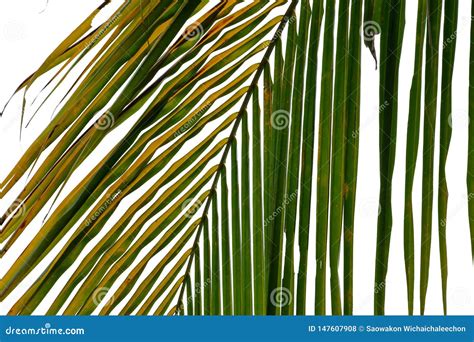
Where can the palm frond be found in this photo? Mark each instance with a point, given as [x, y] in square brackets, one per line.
[392, 25]
[176, 174]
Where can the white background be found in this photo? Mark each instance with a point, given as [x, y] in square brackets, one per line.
[30, 30]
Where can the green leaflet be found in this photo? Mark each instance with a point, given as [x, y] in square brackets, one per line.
[307, 151]
[431, 97]
[449, 51]
[352, 151]
[339, 128]
[393, 24]
[294, 155]
[280, 120]
[470, 160]
[324, 155]
[413, 134]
